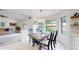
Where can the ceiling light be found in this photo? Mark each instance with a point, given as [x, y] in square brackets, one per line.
[41, 13]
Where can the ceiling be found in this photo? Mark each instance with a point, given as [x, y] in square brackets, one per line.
[23, 14]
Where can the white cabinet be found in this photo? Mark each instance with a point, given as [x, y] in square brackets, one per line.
[75, 41]
[10, 38]
[75, 36]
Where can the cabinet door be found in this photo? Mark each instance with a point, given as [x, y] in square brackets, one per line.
[76, 43]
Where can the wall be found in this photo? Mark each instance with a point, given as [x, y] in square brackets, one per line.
[28, 23]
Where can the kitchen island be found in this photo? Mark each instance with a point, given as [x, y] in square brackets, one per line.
[10, 37]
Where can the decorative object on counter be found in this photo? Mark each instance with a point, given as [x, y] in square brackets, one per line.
[7, 29]
[76, 14]
[18, 29]
[4, 31]
[12, 24]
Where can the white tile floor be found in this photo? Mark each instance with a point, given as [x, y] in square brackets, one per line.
[26, 46]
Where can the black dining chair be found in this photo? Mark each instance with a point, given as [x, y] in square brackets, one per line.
[54, 39]
[47, 43]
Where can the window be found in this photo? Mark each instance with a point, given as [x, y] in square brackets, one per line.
[50, 25]
[2, 24]
[38, 27]
[63, 25]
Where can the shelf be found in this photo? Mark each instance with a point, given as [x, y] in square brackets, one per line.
[74, 17]
[75, 25]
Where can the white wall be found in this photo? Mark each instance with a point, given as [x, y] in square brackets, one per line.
[28, 23]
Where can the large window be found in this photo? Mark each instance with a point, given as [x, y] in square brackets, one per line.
[50, 25]
[38, 27]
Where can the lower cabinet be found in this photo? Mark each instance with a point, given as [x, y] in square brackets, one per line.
[77, 43]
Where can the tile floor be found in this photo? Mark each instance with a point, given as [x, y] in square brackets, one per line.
[26, 46]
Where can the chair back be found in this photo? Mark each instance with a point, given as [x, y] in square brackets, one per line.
[54, 39]
[51, 38]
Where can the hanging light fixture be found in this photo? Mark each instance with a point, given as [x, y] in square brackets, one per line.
[41, 13]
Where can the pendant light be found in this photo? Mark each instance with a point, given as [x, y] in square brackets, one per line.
[41, 11]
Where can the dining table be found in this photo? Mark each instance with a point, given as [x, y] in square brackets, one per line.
[38, 37]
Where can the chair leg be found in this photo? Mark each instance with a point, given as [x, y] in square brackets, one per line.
[51, 46]
[33, 43]
[54, 44]
[48, 46]
[40, 47]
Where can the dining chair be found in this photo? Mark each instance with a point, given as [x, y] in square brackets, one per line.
[54, 39]
[47, 42]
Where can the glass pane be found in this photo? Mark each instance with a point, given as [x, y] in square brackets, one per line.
[63, 25]
[50, 25]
